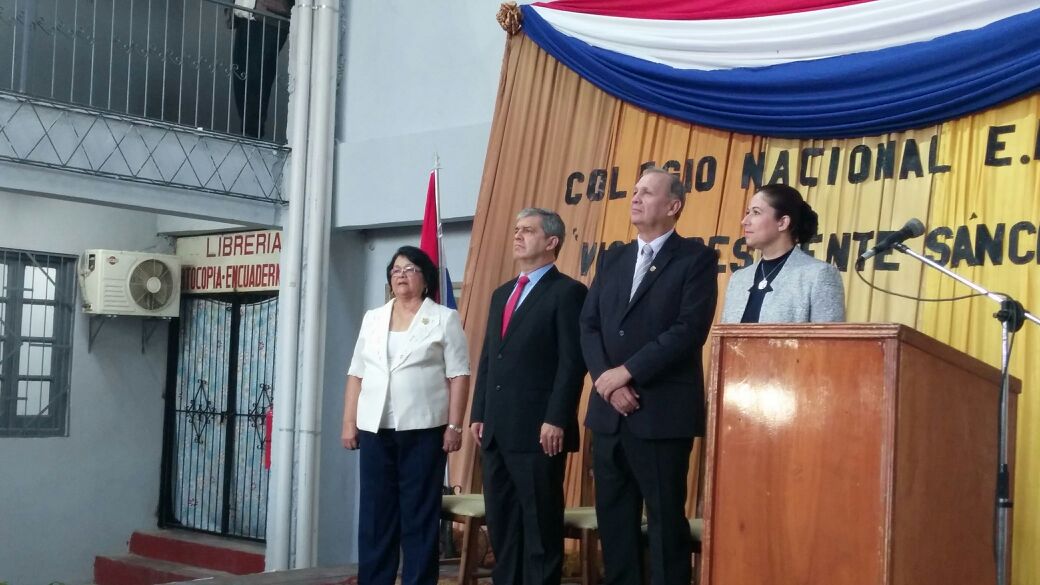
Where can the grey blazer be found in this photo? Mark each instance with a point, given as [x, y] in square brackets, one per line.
[806, 290]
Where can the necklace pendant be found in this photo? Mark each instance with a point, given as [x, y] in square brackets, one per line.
[762, 284]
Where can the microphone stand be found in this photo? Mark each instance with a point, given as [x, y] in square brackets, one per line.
[1011, 316]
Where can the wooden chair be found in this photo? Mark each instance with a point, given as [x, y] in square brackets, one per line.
[694, 504]
[468, 509]
[580, 522]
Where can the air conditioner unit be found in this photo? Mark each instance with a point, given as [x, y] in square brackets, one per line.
[130, 283]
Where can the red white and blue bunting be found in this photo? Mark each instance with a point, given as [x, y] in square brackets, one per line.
[798, 68]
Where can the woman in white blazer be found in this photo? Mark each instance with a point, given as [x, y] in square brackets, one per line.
[785, 285]
[405, 401]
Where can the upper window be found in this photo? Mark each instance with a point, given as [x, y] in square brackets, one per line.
[37, 305]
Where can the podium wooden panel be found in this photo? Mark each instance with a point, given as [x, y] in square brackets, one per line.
[848, 454]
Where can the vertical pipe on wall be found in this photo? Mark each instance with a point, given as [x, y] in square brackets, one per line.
[279, 516]
[319, 205]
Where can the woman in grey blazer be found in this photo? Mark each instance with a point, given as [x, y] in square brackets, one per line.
[785, 285]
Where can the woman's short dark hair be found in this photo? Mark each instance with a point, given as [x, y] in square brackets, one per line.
[420, 259]
[786, 200]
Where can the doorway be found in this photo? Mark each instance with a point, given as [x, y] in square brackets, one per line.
[219, 392]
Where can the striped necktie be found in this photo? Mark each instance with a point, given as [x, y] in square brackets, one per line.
[646, 256]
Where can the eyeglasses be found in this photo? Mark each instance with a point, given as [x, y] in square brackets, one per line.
[406, 270]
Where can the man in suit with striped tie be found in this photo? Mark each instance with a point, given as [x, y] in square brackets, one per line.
[643, 325]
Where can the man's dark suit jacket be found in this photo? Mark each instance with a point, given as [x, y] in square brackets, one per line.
[658, 336]
[535, 374]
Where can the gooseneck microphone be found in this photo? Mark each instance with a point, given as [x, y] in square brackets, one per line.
[912, 229]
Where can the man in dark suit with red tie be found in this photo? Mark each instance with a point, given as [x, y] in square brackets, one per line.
[643, 325]
[525, 404]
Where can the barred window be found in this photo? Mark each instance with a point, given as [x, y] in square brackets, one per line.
[37, 306]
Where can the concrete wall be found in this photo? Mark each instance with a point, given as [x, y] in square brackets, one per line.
[337, 495]
[402, 101]
[64, 500]
[186, 226]
[399, 103]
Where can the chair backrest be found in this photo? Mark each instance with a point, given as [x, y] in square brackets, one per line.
[464, 467]
[587, 485]
[476, 476]
[580, 462]
[695, 479]
[694, 485]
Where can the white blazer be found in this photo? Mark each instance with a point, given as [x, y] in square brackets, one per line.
[415, 379]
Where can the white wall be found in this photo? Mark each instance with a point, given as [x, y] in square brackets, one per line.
[381, 243]
[186, 226]
[419, 78]
[337, 491]
[357, 281]
[64, 500]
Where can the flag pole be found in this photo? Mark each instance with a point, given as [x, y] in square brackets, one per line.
[441, 269]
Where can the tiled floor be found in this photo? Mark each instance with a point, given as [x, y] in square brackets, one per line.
[321, 576]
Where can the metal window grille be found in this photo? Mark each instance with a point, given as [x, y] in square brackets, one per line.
[37, 306]
[198, 63]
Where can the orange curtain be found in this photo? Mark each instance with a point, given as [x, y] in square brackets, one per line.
[547, 121]
[560, 143]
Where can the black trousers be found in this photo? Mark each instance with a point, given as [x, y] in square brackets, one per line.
[401, 477]
[255, 59]
[523, 495]
[629, 472]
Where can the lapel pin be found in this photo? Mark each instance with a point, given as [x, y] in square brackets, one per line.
[653, 268]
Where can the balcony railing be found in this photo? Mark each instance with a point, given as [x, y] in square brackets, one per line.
[129, 148]
[205, 64]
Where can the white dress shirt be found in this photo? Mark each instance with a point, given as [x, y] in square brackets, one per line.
[657, 243]
[415, 377]
[532, 279]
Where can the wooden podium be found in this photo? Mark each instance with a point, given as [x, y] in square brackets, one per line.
[849, 454]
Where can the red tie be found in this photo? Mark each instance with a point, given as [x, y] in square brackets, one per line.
[511, 303]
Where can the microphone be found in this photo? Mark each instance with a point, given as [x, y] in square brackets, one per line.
[912, 229]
